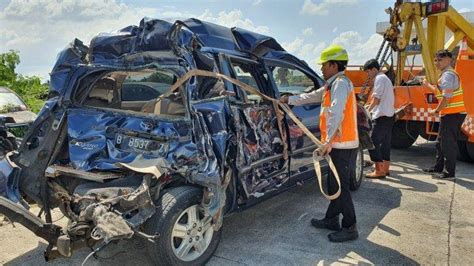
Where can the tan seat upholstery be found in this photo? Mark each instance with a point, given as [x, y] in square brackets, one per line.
[168, 107]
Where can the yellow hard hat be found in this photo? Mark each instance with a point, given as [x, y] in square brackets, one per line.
[333, 53]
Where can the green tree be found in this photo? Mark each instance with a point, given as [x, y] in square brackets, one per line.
[8, 63]
[30, 89]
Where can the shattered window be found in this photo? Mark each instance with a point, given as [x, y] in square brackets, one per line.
[291, 81]
[243, 74]
[140, 91]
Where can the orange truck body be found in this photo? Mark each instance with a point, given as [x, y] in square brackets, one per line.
[418, 96]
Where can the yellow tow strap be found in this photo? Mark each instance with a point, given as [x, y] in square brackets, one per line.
[276, 103]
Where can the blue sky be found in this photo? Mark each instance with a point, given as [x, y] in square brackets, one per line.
[39, 29]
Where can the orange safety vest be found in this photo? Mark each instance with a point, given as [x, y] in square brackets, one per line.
[455, 103]
[347, 135]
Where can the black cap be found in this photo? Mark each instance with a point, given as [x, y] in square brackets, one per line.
[372, 63]
[444, 53]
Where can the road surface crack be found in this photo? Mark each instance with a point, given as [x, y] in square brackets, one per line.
[224, 258]
[450, 220]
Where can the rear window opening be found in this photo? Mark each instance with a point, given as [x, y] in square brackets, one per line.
[139, 91]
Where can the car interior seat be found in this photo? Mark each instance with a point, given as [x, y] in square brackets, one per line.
[103, 94]
[171, 105]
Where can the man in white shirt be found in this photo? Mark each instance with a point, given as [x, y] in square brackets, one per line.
[382, 109]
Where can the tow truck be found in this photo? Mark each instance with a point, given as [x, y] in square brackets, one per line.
[403, 40]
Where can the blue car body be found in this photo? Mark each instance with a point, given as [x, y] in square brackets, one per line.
[212, 135]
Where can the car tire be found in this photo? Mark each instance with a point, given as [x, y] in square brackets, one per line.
[462, 152]
[404, 134]
[358, 172]
[470, 150]
[172, 213]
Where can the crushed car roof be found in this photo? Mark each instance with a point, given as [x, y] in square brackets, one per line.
[151, 33]
[157, 41]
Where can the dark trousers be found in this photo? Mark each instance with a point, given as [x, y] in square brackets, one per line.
[447, 142]
[382, 138]
[344, 160]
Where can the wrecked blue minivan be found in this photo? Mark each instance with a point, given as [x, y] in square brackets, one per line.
[122, 155]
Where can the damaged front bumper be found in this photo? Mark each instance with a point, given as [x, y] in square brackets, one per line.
[107, 212]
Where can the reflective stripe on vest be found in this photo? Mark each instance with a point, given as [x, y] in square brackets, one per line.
[456, 102]
[346, 136]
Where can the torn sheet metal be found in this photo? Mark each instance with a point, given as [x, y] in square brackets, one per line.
[115, 208]
[257, 138]
[97, 139]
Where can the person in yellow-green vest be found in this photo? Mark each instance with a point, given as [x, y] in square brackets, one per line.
[452, 114]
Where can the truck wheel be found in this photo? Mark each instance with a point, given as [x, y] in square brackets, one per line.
[358, 172]
[404, 134]
[470, 150]
[185, 234]
[428, 137]
[433, 127]
[463, 153]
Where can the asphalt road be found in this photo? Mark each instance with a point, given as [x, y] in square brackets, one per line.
[408, 218]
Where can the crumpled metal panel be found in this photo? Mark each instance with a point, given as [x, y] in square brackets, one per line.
[9, 181]
[257, 138]
[150, 35]
[249, 41]
[188, 148]
[258, 134]
[92, 139]
[216, 116]
[212, 136]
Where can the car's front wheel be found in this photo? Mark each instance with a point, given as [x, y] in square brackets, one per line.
[185, 234]
[358, 172]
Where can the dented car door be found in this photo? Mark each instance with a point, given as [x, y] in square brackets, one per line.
[263, 168]
[291, 80]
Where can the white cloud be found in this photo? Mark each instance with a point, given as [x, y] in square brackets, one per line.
[348, 38]
[305, 51]
[318, 48]
[359, 50]
[233, 18]
[308, 31]
[464, 10]
[323, 8]
[65, 10]
[256, 3]
[39, 29]
[334, 30]
[293, 46]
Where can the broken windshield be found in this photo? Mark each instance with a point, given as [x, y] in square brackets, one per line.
[10, 102]
[137, 91]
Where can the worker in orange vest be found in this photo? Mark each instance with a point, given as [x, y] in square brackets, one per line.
[338, 125]
[452, 114]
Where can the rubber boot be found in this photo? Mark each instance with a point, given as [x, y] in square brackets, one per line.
[386, 167]
[379, 171]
